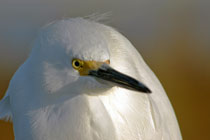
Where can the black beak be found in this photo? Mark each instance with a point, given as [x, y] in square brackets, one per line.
[107, 73]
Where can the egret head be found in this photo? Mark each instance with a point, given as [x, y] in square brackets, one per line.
[74, 56]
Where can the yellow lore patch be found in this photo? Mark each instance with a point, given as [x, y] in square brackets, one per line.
[85, 66]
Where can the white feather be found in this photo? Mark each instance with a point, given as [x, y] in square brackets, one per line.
[50, 101]
[5, 111]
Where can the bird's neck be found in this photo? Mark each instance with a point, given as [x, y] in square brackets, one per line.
[89, 117]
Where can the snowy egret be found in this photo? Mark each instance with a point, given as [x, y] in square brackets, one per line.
[85, 81]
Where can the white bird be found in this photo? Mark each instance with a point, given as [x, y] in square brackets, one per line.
[85, 81]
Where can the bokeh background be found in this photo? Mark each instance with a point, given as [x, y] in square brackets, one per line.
[172, 36]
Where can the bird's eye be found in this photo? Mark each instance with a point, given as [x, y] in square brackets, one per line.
[77, 64]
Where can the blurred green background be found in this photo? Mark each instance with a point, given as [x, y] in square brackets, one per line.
[172, 36]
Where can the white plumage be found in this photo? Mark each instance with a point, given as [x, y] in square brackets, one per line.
[48, 99]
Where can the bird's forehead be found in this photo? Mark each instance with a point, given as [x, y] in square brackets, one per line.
[79, 38]
[89, 46]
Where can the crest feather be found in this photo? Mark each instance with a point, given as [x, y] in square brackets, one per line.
[103, 18]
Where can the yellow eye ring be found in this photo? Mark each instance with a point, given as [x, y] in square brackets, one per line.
[77, 64]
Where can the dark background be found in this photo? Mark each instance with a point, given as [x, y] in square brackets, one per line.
[172, 36]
